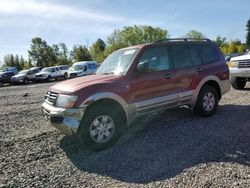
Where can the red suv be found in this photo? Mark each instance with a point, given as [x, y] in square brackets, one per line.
[135, 81]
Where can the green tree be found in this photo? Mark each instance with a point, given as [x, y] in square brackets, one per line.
[221, 41]
[97, 50]
[80, 53]
[134, 35]
[41, 53]
[9, 60]
[16, 63]
[22, 62]
[195, 34]
[248, 35]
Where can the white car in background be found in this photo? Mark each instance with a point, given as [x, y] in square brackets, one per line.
[239, 68]
[82, 68]
[63, 69]
[51, 73]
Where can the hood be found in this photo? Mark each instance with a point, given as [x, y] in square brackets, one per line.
[75, 71]
[19, 75]
[241, 58]
[40, 73]
[76, 84]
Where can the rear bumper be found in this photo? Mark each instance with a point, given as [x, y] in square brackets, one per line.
[240, 72]
[67, 121]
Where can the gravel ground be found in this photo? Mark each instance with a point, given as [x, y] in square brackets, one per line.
[169, 149]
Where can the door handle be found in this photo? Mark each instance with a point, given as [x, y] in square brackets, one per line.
[199, 69]
[168, 76]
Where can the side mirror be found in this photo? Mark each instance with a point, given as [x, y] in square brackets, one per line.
[228, 58]
[142, 67]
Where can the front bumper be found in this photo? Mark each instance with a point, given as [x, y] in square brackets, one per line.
[240, 72]
[67, 121]
[40, 78]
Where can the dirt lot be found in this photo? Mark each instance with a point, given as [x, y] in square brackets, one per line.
[170, 149]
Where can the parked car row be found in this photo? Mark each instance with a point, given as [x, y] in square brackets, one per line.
[38, 74]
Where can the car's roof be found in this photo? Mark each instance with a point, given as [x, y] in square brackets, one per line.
[83, 62]
[169, 41]
[61, 66]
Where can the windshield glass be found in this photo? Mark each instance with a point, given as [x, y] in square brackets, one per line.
[76, 67]
[23, 72]
[46, 70]
[118, 62]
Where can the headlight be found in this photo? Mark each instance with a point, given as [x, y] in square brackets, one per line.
[232, 64]
[66, 101]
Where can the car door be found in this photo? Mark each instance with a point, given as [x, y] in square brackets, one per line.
[186, 66]
[85, 70]
[154, 89]
[57, 72]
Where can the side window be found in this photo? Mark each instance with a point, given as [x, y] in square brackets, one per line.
[181, 56]
[53, 70]
[85, 68]
[208, 53]
[30, 73]
[157, 58]
[92, 66]
[195, 54]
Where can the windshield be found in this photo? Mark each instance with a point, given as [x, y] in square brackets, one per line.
[76, 67]
[23, 72]
[46, 70]
[118, 62]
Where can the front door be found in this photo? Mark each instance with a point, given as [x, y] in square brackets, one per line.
[154, 89]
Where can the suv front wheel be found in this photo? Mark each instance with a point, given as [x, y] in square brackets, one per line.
[207, 102]
[238, 83]
[100, 128]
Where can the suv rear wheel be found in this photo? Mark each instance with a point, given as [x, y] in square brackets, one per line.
[238, 83]
[100, 128]
[207, 102]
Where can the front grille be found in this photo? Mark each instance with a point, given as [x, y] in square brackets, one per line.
[40, 75]
[50, 97]
[73, 74]
[244, 64]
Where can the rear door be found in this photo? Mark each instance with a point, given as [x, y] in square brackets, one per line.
[186, 71]
[156, 88]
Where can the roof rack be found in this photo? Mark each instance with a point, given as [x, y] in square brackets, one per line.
[183, 39]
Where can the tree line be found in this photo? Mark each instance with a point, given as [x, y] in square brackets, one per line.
[45, 55]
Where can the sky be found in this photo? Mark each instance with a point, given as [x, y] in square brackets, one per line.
[84, 21]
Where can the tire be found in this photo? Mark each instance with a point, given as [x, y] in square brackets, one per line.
[66, 76]
[26, 81]
[238, 83]
[49, 79]
[207, 102]
[91, 133]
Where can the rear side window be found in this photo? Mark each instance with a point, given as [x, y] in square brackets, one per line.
[205, 52]
[180, 55]
[157, 58]
[92, 66]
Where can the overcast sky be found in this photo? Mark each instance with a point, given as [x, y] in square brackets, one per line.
[84, 21]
